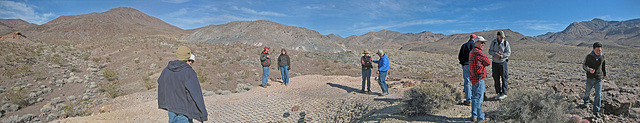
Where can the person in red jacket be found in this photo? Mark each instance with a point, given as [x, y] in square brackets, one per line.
[478, 63]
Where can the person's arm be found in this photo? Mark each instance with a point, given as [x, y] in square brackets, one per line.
[604, 70]
[263, 56]
[484, 59]
[507, 50]
[584, 65]
[491, 47]
[194, 91]
[279, 60]
[376, 61]
[361, 60]
[460, 56]
[288, 62]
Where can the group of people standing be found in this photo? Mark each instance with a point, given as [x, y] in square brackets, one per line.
[474, 63]
[180, 94]
[366, 62]
[284, 65]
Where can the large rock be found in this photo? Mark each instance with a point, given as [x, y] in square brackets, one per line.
[617, 101]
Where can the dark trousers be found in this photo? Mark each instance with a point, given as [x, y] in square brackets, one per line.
[500, 72]
[366, 78]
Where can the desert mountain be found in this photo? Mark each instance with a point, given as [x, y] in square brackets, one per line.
[113, 24]
[11, 25]
[451, 43]
[390, 39]
[266, 33]
[623, 33]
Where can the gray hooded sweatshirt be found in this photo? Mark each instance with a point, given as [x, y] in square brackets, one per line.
[179, 91]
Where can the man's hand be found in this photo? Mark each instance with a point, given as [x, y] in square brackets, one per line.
[591, 70]
[377, 72]
[496, 55]
[267, 56]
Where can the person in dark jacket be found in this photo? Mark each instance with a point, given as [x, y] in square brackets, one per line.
[463, 57]
[265, 61]
[179, 90]
[594, 67]
[284, 65]
[366, 62]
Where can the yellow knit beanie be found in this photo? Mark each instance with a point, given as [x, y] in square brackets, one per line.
[183, 53]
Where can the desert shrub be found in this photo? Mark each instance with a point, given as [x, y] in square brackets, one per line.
[348, 111]
[531, 105]
[27, 117]
[111, 88]
[73, 111]
[202, 76]
[96, 60]
[429, 98]
[243, 87]
[19, 97]
[11, 119]
[57, 59]
[147, 82]
[110, 74]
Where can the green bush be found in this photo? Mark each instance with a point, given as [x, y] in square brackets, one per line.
[429, 98]
[535, 106]
[111, 88]
[110, 74]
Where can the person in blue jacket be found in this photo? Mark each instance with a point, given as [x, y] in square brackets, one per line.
[383, 68]
[179, 90]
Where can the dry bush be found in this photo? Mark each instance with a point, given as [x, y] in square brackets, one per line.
[429, 98]
[202, 76]
[19, 97]
[111, 88]
[531, 105]
[147, 81]
[110, 74]
[71, 111]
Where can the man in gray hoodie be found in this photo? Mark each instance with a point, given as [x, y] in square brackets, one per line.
[179, 90]
[594, 66]
[500, 50]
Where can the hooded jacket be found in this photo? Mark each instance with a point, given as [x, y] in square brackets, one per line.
[179, 91]
[596, 62]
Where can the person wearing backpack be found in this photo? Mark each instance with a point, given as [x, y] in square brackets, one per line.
[366, 61]
[500, 50]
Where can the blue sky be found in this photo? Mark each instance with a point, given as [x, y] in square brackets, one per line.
[350, 17]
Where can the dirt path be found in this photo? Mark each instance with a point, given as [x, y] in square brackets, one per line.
[319, 98]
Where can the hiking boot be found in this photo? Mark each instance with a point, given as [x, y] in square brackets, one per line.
[268, 84]
[497, 97]
[467, 103]
[368, 90]
[362, 91]
[502, 96]
[473, 119]
[262, 86]
[285, 84]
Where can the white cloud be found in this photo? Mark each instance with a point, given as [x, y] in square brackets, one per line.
[180, 12]
[312, 7]
[264, 13]
[16, 10]
[544, 27]
[175, 1]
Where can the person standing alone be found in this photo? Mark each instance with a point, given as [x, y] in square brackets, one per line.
[500, 50]
[284, 65]
[265, 61]
[179, 90]
[477, 64]
[366, 62]
[594, 66]
[463, 57]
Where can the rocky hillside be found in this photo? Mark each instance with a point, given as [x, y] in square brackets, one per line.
[266, 33]
[622, 33]
[114, 24]
[11, 25]
[452, 43]
[387, 39]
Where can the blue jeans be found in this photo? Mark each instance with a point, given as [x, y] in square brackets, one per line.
[284, 70]
[178, 118]
[265, 75]
[500, 72]
[476, 100]
[382, 77]
[466, 75]
[597, 84]
[366, 76]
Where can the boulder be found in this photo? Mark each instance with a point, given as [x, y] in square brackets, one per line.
[617, 103]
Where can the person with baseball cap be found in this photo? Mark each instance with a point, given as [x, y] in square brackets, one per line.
[463, 57]
[500, 50]
[265, 61]
[477, 65]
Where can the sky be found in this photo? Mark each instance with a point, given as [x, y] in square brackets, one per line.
[350, 17]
